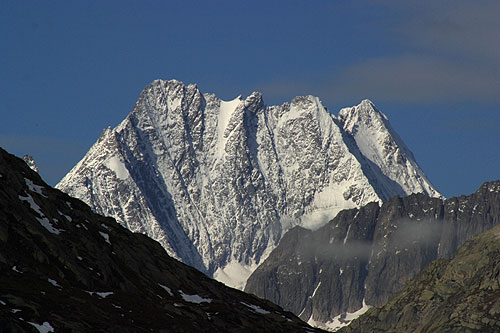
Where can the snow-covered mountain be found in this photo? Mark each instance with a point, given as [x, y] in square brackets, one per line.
[218, 182]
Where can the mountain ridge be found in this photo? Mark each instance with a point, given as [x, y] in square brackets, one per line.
[218, 182]
[365, 255]
[460, 294]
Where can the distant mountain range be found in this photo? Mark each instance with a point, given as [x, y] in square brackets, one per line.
[461, 294]
[364, 256]
[66, 269]
[218, 183]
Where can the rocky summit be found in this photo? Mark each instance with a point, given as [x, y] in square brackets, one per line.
[461, 294]
[217, 183]
[364, 256]
[64, 268]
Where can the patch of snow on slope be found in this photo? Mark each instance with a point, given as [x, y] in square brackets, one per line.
[234, 274]
[34, 188]
[44, 328]
[325, 206]
[255, 308]
[102, 294]
[167, 289]
[341, 320]
[118, 167]
[43, 220]
[316, 289]
[194, 298]
[105, 236]
[54, 283]
[226, 110]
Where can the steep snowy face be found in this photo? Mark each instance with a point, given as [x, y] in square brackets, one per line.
[383, 147]
[218, 182]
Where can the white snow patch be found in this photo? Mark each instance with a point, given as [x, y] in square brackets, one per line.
[102, 294]
[34, 188]
[47, 225]
[79, 258]
[167, 289]
[14, 268]
[255, 308]
[2, 302]
[54, 283]
[15, 310]
[316, 289]
[325, 206]
[44, 328]
[194, 298]
[339, 321]
[32, 203]
[226, 110]
[43, 220]
[234, 274]
[65, 216]
[347, 233]
[105, 236]
[118, 167]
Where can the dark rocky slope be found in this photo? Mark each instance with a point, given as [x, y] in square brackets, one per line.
[457, 295]
[65, 268]
[368, 254]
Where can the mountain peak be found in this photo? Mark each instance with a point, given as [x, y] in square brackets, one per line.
[31, 162]
[217, 182]
[382, 146]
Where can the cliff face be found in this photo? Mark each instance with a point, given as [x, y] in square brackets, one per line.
[364, 256]
[217, 183]
[461, 294]
[65, 268]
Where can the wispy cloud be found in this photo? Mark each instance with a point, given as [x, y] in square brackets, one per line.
[449, 51]
[413, 78]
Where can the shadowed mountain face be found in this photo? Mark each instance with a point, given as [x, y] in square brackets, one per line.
[364, 256]
[457, 295]
[65, 268]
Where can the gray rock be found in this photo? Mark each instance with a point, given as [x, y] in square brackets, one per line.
[364, 256]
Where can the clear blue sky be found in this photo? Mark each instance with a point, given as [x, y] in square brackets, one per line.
[69, 69]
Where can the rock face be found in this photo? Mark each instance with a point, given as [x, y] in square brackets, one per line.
[218, 182]
[66, 269]
[457, 295]
[31, 162]
[363, 256]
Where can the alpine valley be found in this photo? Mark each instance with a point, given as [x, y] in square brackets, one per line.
[217, 183]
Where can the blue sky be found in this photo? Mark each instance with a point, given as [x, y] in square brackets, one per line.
[69, 69]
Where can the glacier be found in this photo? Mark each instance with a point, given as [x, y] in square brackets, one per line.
[217, 183]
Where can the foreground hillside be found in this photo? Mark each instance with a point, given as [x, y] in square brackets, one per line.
[457, 295]
[65, 268]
